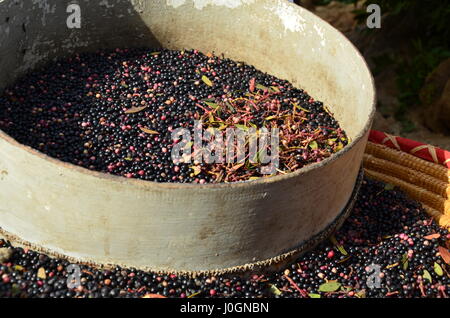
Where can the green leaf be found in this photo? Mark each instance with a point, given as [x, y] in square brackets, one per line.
[405, 265]
[405, 262]
[274, 88]
[197, 170]
[301, 108]
[314, 295]
[261, 87]
[339, 247]
[313, 145]
[389, 187]
[339, 146]
[426, 275]
[206, 80]
[253, 125]
[404, 257]
[18, 268]
[211, 118]
[344, 260]
[331, 141]
[438, 269]
[348, 289]
[342, 250]
[230, 107]
[361, 294]
[241, 127]
[212, 105]
[274, 290]
[330, 286]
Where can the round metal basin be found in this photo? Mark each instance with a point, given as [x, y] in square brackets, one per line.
[92, 217]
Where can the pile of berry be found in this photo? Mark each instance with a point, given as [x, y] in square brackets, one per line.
[388, 247]
[115, 112]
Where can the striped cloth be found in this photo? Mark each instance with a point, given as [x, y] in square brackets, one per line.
[418, 149]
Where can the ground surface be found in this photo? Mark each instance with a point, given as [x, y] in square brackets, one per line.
[342, 16]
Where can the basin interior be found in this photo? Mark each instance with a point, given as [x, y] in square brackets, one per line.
[275, 36]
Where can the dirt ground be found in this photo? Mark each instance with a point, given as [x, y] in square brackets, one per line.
[341, 16]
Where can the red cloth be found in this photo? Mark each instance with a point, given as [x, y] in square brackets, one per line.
[418, 149]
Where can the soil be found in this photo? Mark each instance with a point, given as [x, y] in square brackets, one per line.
[341, 16]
